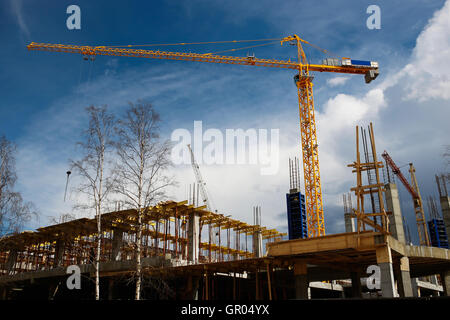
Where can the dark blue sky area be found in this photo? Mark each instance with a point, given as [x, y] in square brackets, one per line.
[43, 94]
[30, 81]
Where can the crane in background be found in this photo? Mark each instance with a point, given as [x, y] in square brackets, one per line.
[201, 183]
[415, 194]
[303, 81]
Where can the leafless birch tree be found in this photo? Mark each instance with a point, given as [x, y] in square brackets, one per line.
[14, 212]
[92, 168]
[140, 171]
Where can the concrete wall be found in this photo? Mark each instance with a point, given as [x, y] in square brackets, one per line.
[445, 206]
[393, 205]
[257, 244]
[193, 237]
[349, 223]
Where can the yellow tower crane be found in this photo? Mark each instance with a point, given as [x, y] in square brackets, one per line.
[303, 81]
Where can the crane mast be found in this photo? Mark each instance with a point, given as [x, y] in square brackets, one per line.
[303, 82]
[415, 194]
[313, 188]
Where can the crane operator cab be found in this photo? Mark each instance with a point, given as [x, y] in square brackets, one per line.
[297, 78]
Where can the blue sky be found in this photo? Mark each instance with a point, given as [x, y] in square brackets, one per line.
[43, 94]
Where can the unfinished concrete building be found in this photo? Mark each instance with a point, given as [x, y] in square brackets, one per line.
[179, 264]
[172, 237]
[191, 253]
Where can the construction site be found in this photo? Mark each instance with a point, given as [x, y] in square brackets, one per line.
[191, 252]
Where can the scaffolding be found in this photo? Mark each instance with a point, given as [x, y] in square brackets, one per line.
[367, 219]
[164, 232]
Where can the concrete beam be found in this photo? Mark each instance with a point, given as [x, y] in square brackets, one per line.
[363, 241]
[430, 286]
[332, 286]
[106, 268]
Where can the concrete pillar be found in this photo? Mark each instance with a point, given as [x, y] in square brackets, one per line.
[4, 293]
[52, 291]
[11, 261]
[192, 287]
[356, 285]
[384, 261]
[59, 253]
[193, 237]
[445, 206]
[393, 205]
[110, 289]
[117, 243]
[257, 244]
[404, 279]
[445, 278]
[301, 281]
[415, 288]
[349, 224]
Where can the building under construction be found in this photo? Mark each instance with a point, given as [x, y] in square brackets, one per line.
[192, 253]
[178, 264]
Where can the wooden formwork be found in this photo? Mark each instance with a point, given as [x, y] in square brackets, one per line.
[164, 232]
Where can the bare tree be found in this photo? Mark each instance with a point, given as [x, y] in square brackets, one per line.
[63, 218]
[92, 168]
[140, 171]
[14, 212]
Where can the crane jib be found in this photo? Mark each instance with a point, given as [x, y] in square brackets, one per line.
[364, 67]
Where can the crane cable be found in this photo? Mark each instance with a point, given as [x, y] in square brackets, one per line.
[189, 43]
[273, 40]
[242, 48]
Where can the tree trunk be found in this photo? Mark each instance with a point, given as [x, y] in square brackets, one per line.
[97, 258]
[138, 256]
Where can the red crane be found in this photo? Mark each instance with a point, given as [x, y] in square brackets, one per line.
[417, 199]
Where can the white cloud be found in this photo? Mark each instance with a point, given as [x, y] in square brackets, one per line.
[16, 7]
[337, 81]
[427, 75]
